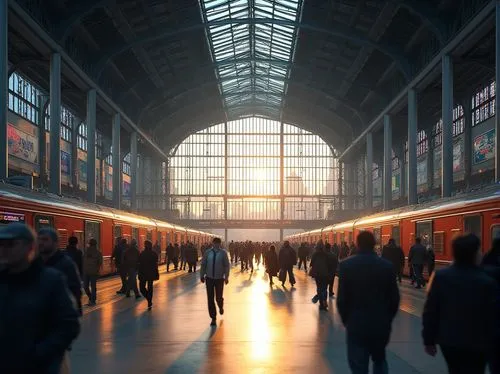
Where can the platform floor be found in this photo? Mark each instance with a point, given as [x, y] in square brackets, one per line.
[262, 331]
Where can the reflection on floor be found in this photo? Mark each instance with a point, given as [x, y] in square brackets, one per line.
[263, 330]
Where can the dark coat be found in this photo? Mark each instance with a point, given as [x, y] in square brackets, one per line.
[39, 321]
[367, 297]
[417, 255]
[76, 255]
[92, 261]
[170, 251]
[118, 252]
[148, 265]
[395, 255]
[321, 264]
[303, 251]
[65, 265]
[272, 265]
[333, 263]
[449, 320]
[131, 258]
[287, 257]
[191, 255]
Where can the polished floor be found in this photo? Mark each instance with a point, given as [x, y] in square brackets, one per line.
[263, 330]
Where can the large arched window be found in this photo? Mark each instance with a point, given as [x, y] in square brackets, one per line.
[253, 169]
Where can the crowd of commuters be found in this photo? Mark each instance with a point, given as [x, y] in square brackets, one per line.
[36, 276]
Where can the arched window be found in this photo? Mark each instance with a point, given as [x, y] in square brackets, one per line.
[483, 103]
[422, 143]
[81, 138]
[24, 98]
[126, 164]
[458, 126]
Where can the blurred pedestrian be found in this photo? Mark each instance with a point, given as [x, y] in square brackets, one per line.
[117, 257]
[191, 257]
[92, 263]
[394, 254]
[465, 331]
[303, 253]
[272, 265]
[287, 259]
[332, 266]
[148, 272]
[320, 270]
[75, 253]
[367, 300]
[418, 258]
[130, 263]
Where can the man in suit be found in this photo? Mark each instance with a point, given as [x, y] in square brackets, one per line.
[417, 258]
[367, 300]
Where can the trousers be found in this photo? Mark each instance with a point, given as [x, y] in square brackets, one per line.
[90, 287]
[359, 355]
[462, 361]
[302, 260]
[215, 292]
[132, 282]
[146, 287]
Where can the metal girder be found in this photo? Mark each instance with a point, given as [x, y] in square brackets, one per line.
[77, 14]
[429, 16]
[350, 34]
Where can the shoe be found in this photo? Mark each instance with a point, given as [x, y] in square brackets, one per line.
[150, 305]
[120, 292]
[127, 295]
[91, 303]
[214, 322]
[221, 311]
[315, 299]
[282, 284]
[137, 297]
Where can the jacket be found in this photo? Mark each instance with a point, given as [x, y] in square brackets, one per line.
[287, 257]
[65, 265]
[367, 297]
[191, 254]
[215, 264]
[170, 251]
[395, 255]
[321, 265]
[148, 266]
[92, 261]
[449, 320]
[131, 258]
[417, 255]
[118, 252]
[39, 321]
[303, 251]
[272, 266]
[76, 255]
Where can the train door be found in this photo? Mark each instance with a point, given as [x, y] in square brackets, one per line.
[93, 231]
[396, 234]
[117, 231]
[42, 221]
[135, 233]
[473, 224]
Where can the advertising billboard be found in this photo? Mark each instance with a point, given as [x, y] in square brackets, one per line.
[483, 147]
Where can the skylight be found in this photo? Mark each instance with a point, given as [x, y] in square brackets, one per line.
[252, 57]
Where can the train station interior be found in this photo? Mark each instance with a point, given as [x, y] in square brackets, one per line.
[248, 120]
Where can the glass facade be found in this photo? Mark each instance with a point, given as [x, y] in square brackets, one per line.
[24, 98]
[253, 168]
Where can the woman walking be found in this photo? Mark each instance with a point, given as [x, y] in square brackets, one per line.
[320, 270]
[148, 272]
[272, 265]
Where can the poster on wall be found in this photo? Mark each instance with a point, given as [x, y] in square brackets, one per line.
[396, 182]
[483, 147]
[422, 172]
[82, 170]
[126, 189]
[22, 145]
[438, 155]
[458, 154]
[65, 163]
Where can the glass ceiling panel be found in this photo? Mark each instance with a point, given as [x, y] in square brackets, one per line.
[252, 59]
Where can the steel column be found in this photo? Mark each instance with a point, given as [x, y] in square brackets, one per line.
[226, 169]
[387, 162]
[497, 102]
[412, 147]
[91, 146]
[55, 124]
[447, 113]
[42, 143]
[282, 177]
[4, 89]
[369, 168]
[117, 188]
[133, 170]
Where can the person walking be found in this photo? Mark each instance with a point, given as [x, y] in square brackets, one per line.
[130, 263]
[333, 259]
[287, 259]
[214, 272]
[231, 251]
[320, 271]
[303, 253]
[191, 257]
[170, 256]
[73, 252]
[272, 265]
[417, 258]
[148, 272]
[465, 331]
[431, 260]
[367, 301]
[394, 254]
[92, 262]
[117, 257]
[48, 242]
[32, 339]
[183, 255]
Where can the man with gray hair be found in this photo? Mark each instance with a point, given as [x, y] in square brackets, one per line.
[32, 340]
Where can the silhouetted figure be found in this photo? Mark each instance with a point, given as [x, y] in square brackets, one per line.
[367, 300]
[321, 270]
[157, 250]
[393, 253]
[344, 251]
[48, 242]
[287, 259]
[183, 256]
[148, 271]
[92, 262]
[170, 256]
[272, 265]
[431, 260]
[303, 253]
[464, 330]
[332, 266]
[75, 253]
[232, 251]
[40, 320]
[117, 256]
[417, 258]
[191, 257]
[130, 263]
[214, 272]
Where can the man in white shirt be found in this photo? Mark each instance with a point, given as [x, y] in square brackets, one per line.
[214, 273]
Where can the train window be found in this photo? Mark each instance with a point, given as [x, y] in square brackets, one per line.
[135, 233]
[472, 225]
[6, 218]
[81, 238]
[93, 231]
[396, 234]
[63, 238]
[424, 232]
[438, 240]
[495, 232]
[117, 231]
[43, 221]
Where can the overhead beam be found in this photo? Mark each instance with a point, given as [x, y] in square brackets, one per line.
[474, 26]
[429, 16]
[347, 33]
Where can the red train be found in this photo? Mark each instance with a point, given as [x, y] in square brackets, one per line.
[85, 221]
[437, 223]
